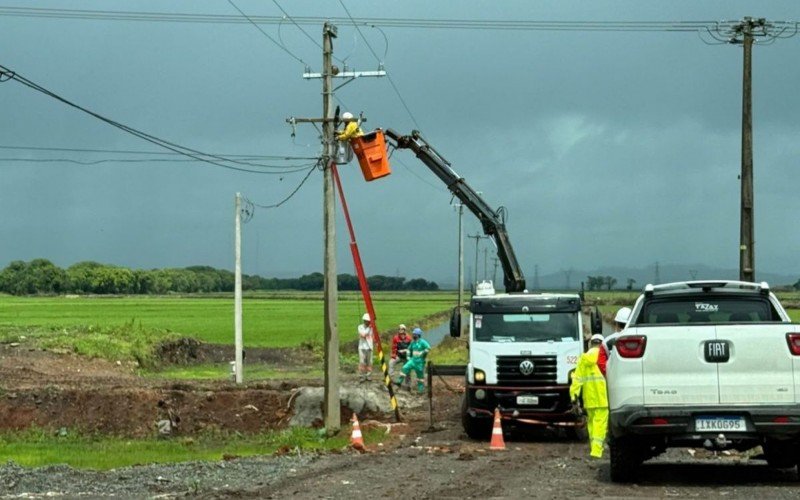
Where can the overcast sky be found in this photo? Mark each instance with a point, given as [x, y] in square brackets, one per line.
[607, 148]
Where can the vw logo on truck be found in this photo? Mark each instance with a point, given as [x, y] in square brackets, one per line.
[526, 367]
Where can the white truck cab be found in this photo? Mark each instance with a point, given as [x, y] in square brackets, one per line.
[522, 349]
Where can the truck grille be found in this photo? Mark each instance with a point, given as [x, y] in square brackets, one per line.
[545, 370]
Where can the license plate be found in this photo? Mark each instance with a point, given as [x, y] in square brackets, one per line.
[720, 424]
[527, 400]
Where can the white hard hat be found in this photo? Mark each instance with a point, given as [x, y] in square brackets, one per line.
[365, 317]
[596, 338]
[402, 326]
[347, 115]
[623, 315]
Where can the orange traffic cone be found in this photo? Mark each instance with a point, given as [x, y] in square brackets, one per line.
[497, 442]
[356, 441]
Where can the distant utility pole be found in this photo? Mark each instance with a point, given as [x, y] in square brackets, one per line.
[568, 277]
[460, 207]
[494, 273]
[237, 289]
[658, 275]
[536, 285]
[331, 405]
[477, 238]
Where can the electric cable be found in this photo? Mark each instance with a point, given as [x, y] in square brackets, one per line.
[129, 151]
[287, 170]
[266, 35]
[301, 29]
[192, 153]
[289, 197]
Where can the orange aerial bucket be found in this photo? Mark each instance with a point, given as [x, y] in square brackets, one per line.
[370, 149]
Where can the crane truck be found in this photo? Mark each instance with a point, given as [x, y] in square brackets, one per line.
[523, 346]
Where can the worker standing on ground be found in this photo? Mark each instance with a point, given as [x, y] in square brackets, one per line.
[400, 343]
[365, 336]
[620, 322]
[589, 382]
[351, 128]
[418, 352]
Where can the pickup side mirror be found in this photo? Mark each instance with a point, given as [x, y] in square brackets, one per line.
[455, 322]
[596, 319]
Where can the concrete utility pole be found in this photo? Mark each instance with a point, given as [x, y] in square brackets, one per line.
[237, 290]
[331, 408]
[460, 254]
[536, 285]
[494, 272]
[477, 238]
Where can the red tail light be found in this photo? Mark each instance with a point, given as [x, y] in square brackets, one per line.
[632, 346]
[781, 420]
[793, 339]
[660, 421]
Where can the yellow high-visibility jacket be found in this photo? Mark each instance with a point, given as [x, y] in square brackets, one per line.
[350, 130]
[589, 381]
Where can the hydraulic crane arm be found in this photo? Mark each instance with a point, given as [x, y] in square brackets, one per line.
[491, 220]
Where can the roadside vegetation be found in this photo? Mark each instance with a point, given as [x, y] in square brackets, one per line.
[39, 447]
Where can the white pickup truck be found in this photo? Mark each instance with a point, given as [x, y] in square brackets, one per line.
[704, 364]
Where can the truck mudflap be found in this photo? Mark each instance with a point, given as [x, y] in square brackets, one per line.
[542, 405]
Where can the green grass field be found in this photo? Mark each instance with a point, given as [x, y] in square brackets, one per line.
[282, 320]
[36, 447]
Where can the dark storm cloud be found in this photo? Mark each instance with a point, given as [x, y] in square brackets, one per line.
[609, 149]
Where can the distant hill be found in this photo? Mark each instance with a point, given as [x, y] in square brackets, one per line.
[644, 275]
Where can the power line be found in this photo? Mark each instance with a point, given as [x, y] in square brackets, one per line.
[276, 205]
[388, 75]
[286, 170]
[392, 22]
[160, 153]
[191, 153]
[280, 45]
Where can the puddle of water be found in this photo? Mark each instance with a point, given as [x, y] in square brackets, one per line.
[435, 335]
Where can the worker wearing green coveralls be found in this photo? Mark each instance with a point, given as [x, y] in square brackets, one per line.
[418, 351]
[588, 381]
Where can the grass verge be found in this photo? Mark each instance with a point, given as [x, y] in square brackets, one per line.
[39, 447]
[222, 371]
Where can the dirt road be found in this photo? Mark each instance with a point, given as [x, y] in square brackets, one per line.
[52, 389]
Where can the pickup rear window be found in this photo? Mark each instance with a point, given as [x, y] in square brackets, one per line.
[708, 309]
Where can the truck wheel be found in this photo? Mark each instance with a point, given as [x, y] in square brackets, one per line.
[780, 454]
[626, 457]
[474, 428]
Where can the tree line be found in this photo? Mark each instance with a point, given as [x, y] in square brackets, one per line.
[42, 277]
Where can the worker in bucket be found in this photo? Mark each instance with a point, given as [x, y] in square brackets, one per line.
[351, 128]
[365, 335]
[620, 322]
[589, 382]
[417, 352]
[400, 343]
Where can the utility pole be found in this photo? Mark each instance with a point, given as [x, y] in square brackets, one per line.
[745, 33]
[536, 277]
[494, 273]
[485, 263]
[331, 408]
[331, 405]
[658, 275]
[237, 290]
[477, 238]
[460, 255]
[747, 269]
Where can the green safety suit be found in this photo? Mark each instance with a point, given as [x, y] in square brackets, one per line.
[417, 352]
[588, 381]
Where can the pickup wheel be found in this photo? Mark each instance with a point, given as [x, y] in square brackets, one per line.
[475, 428]
[626, 457]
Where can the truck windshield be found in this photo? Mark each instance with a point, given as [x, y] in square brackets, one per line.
[708, 309]
[534, 327]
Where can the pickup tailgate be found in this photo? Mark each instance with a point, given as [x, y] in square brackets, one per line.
[674, 368]
[761, 368]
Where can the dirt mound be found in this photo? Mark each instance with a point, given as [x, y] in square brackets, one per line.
[187, 351]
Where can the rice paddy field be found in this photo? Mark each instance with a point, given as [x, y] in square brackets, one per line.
[280, 319]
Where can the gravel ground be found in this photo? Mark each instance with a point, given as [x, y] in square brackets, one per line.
[190, 479]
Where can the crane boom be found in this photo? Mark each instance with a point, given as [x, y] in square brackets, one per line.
[491, 220]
